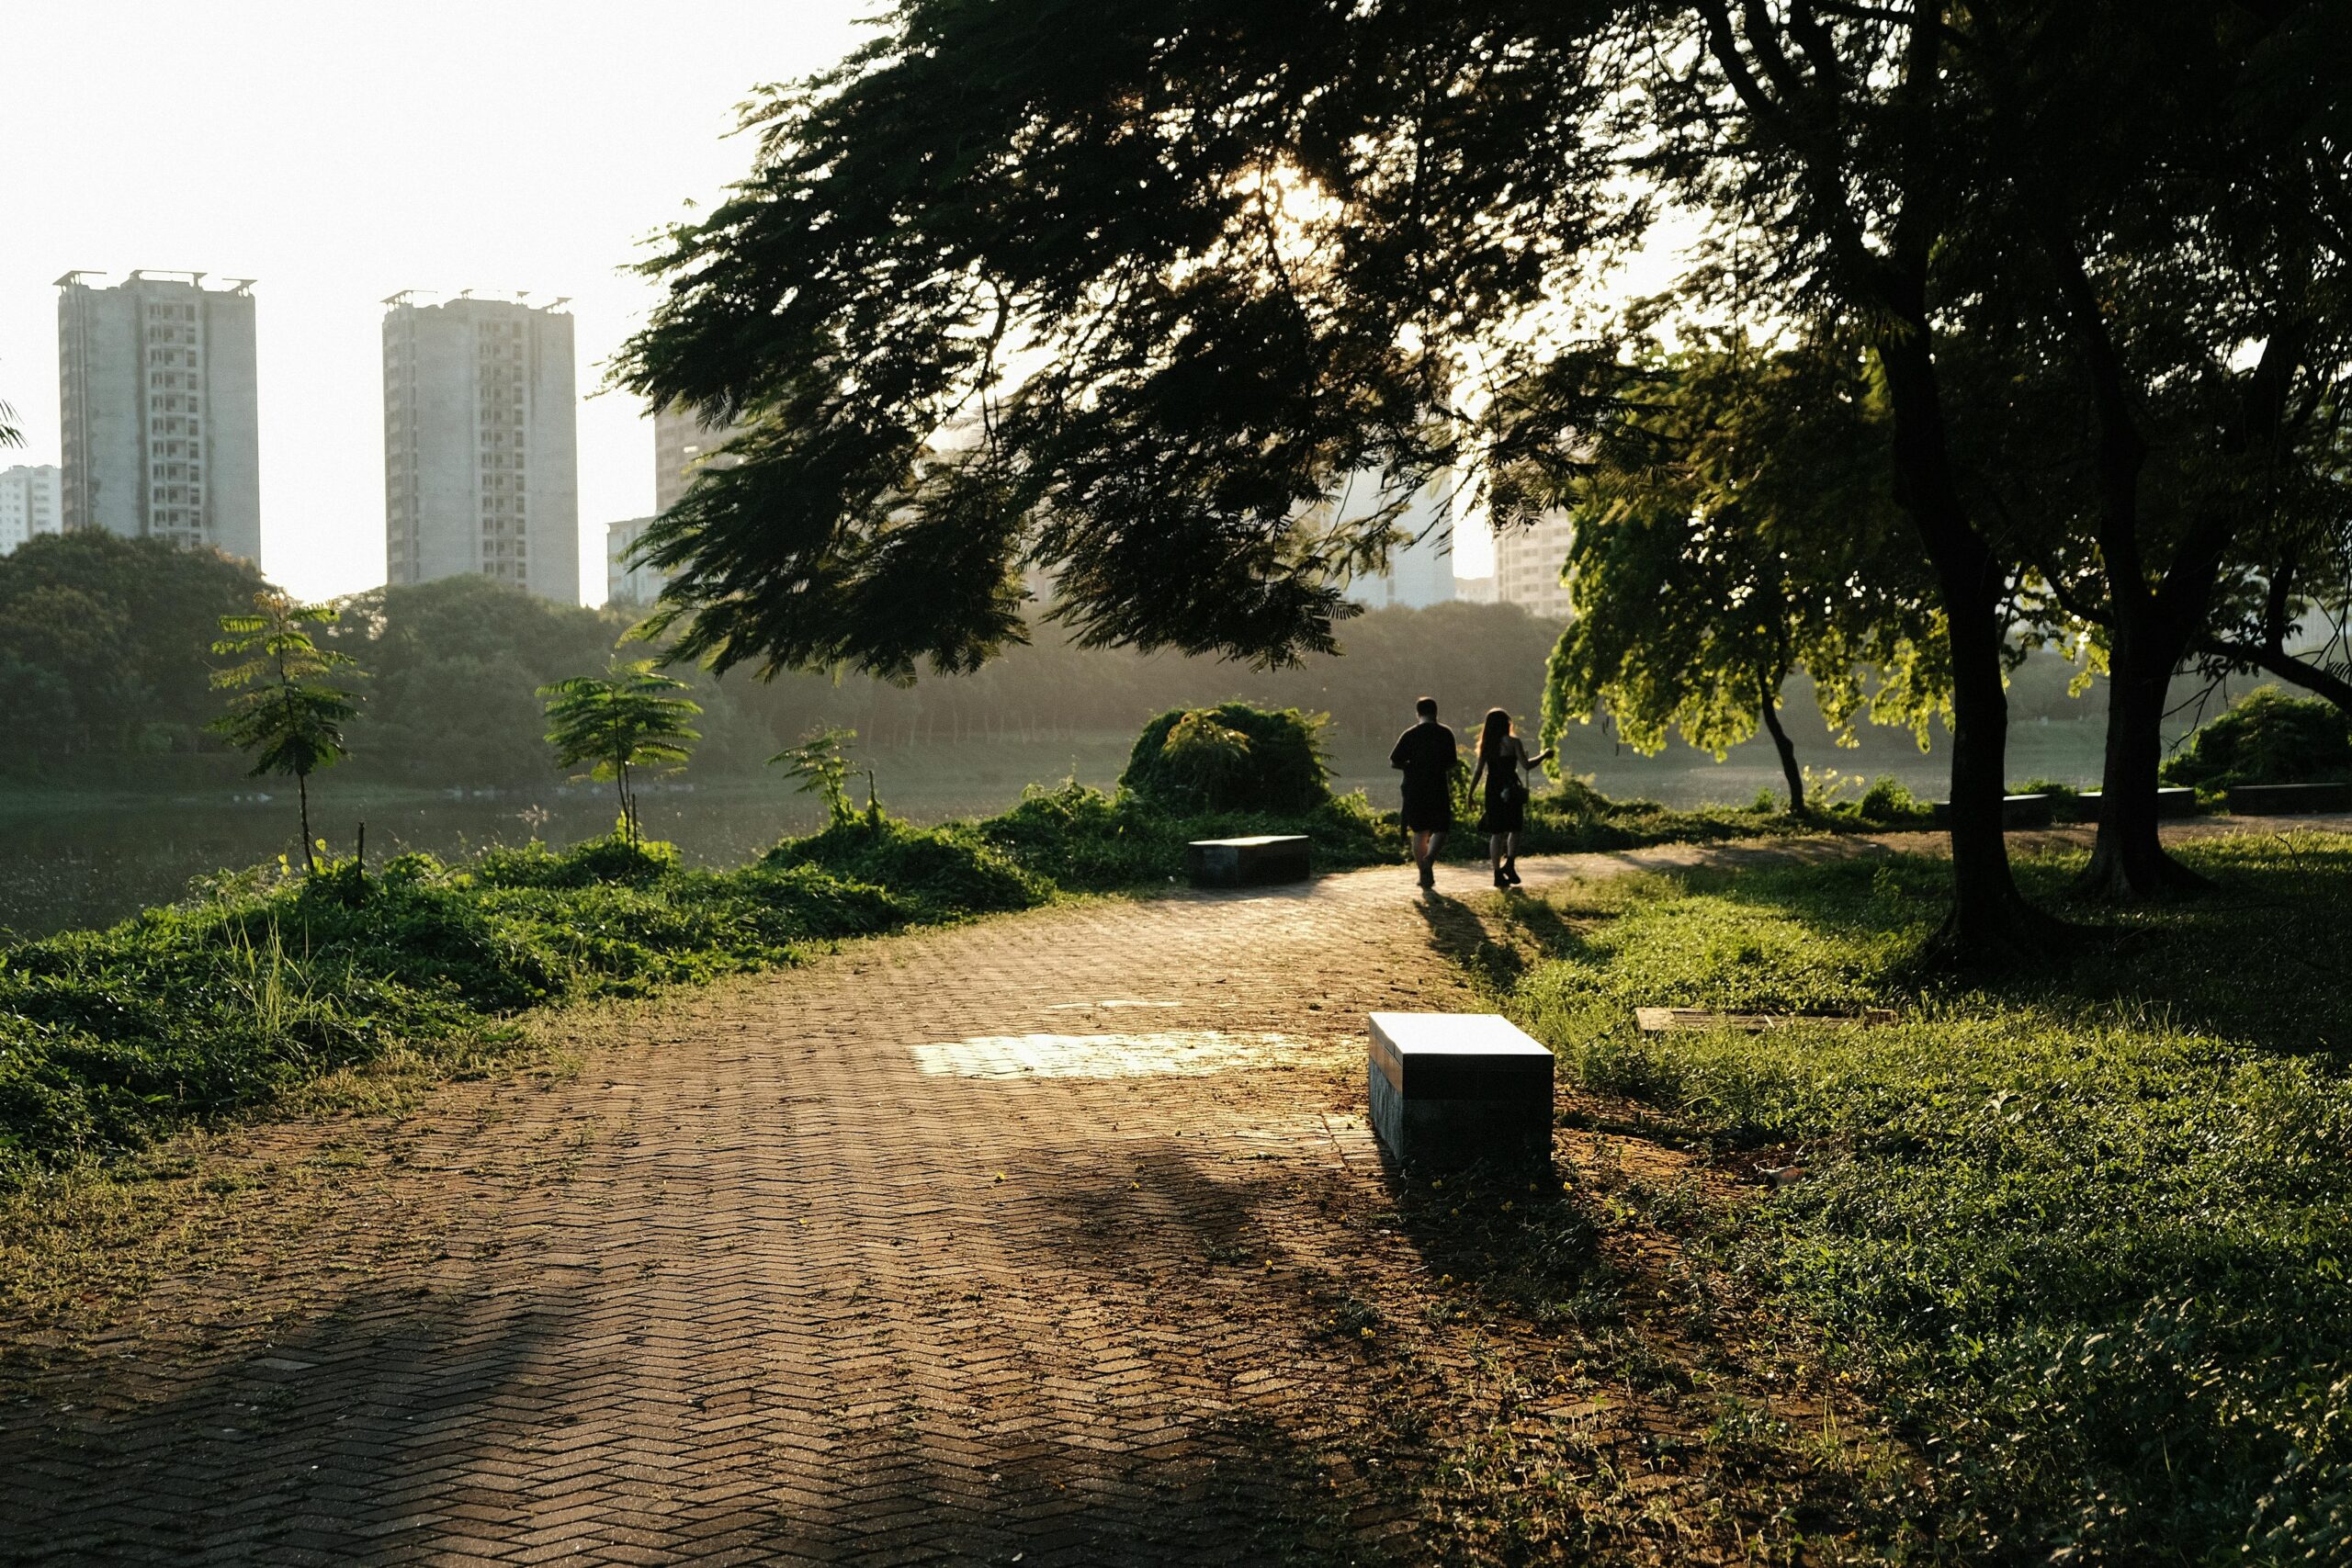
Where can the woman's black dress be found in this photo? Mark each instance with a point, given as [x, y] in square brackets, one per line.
[1506, 791]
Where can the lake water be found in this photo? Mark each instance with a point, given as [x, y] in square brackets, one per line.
[64, 865]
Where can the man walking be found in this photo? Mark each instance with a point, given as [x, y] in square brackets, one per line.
[1425, 754]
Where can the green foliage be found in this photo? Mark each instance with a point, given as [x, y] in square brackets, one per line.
[629, 719]
[2084, 1235]
[1232, 757]
[1086, 841]
[284, 711]
[1889, 799]
[2268, 737]
[110, 1039]
[616, 859]
[821, 764]
[1735, 524]
[103, 642]
[940, 872]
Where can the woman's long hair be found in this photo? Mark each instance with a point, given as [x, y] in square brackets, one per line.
[1492, 735]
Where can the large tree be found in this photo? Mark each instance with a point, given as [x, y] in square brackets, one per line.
[1121, 289]
[1733, 526]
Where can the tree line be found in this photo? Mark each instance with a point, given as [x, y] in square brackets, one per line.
[106, 666]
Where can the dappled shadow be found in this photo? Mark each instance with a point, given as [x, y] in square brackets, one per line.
[405, 1428]
[309, 1447]
[2258, 959]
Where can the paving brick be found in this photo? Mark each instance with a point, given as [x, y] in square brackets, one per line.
[923, 1252]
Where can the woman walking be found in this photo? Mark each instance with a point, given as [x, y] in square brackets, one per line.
[1504, 763]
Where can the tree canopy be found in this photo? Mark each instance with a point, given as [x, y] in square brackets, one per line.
[1735, 524]
[1122, 290]
[102, 641]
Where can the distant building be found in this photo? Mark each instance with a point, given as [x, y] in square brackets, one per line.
[1528, 562]
[681, 445]
[1474, 590]
[480, 444]
[29, 505]
[625, 583]
[1420, 572]
[163, 440]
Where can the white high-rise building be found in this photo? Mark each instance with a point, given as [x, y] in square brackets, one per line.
[29, 505]
[627, 583]
[1421, 571]
[481, 445]
[1528, 562]
[681, 445]
[157, 384]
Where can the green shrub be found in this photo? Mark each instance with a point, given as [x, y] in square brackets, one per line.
[609, 859]
[1889, 800]
[1232, 757]
[940, 872]
[110, 1039]
[2268, 737]
[1085, 840]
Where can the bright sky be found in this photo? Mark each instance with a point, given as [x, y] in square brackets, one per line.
[341, 153]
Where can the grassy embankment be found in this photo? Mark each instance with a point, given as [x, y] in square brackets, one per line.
[224, 1003]
[2082, 1237]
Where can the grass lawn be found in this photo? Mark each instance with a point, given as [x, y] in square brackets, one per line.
[2081, 1237]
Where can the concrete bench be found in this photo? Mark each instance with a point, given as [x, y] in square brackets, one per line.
[1449, 1089]
[1246, 863]
[2285, 800]
[2172, 800]
[2017, 811]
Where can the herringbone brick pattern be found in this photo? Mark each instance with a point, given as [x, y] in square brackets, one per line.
[1051, 1239]
[841, 1267]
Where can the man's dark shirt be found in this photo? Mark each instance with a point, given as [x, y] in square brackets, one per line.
[1426, 752]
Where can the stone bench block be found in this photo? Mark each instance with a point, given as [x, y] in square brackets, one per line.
[2285, 800]
[1246, 863]
[2172, 800]
[1449, 1089]
[2017, 811]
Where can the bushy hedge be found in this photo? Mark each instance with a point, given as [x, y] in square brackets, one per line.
[942, 873]
[110, 1039]
[1085, 840]
[1232, 757]
[2268, 737]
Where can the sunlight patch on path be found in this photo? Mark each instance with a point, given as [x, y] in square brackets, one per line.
[1175, 1052]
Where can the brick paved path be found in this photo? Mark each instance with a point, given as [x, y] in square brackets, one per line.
[1047, 1239]
[1023, 1237]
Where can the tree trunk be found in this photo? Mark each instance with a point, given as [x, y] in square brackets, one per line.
[1789, 768]
[2128, 861]
[1990, 923]
[629, 811]
[302, 793]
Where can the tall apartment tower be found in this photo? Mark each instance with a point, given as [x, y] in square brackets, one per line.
[30, 504]
[163, 439]
[681, 445]
[1528, 562]
[480, 444]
